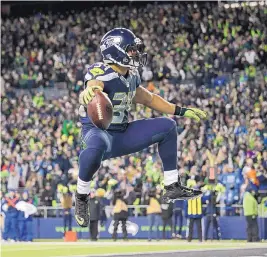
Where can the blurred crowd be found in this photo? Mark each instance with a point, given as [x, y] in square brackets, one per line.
[221, 52]
[183, 40]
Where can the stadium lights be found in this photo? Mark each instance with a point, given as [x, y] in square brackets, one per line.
[234, 5]
[251, 4]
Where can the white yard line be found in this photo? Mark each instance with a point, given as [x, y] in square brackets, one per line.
[163, 252]
[33, 246]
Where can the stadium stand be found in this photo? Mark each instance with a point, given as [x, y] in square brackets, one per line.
[213, 58]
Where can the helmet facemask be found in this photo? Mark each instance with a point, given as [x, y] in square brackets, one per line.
[137, 55]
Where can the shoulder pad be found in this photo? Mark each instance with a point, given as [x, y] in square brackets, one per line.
[100, 71]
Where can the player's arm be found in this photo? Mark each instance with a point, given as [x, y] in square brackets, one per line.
[88, 93]
[157, 103]
[153, 101]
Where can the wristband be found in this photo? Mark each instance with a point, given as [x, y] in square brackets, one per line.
[180, 111]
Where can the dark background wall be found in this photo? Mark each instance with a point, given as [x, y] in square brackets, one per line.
[20, 8]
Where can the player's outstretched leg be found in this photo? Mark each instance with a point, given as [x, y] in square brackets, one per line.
[143, 133]
[97, 142]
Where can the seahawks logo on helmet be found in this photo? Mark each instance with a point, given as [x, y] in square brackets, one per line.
[110, 41]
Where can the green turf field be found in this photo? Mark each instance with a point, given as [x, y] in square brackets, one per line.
[61, 249]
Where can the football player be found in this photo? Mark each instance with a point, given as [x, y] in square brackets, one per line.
[117, 76]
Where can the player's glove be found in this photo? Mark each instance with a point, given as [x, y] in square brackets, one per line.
[87, 95]
[192, 113]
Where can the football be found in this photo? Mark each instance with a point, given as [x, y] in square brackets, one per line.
[100, 110]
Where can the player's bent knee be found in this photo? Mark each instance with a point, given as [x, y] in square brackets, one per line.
[170, 123]
[97, 139]
[99, 143]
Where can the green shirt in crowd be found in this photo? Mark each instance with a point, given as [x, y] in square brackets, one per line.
[250, 205]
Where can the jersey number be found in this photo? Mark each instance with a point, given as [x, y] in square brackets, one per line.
[125, 105]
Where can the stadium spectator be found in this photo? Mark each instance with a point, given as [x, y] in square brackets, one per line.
[210, 198]
[153, 211]
[11, 215]
[166, 215]
[194, 213]
[20, 222]
[178, 213]
[47, 196]
[250, 206]
[13, 179]
[95, 209]
[120, 212]
[28, 220]
[66, 202]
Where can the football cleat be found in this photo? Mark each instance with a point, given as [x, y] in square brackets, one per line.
[82, 210]
[176, 191]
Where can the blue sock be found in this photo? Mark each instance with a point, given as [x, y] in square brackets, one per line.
[168, 150]
[168, 154]
[89, 161]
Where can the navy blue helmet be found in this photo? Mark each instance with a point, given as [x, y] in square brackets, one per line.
[117, 43]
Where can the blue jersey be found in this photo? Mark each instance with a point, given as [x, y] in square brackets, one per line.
[120, 90]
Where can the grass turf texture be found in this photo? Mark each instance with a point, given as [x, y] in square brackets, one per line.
[106, 247]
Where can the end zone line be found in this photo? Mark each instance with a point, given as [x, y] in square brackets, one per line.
[167, 251]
